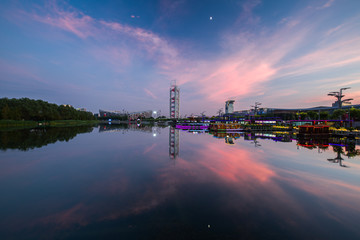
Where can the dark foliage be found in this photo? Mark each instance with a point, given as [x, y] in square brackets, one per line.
[38, 110]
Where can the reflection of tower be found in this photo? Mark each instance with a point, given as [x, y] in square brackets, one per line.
[173, 142]
[229, 106]
[174, 101]
[229, 140]
[338, 158]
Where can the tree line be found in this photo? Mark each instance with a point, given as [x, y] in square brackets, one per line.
[39, 110]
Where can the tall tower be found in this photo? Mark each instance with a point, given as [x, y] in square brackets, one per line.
[174, 100]
[229, 106]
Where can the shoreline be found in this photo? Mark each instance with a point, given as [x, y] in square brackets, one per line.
[19, 124]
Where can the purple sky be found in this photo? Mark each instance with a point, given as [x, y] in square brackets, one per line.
[119, 55]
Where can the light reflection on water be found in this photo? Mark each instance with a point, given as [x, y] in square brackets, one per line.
[158, 183]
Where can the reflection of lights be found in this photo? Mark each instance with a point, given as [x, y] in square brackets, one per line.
[154, 134]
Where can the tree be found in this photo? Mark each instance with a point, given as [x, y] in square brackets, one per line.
[303, 115]
[324, 115]
[5, 112]
[355, 114]
[338, 114]
[38, 110]
[313, 115]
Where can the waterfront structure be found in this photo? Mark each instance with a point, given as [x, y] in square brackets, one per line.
[107, 113]
[256, 107]
[338, 95]
[131, 116]
[142, 114]
[174, 101]
[229, 106]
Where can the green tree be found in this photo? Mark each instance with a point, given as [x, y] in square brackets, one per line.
[338, 114]
[303, 115]
[312, 115]
[355, 114]
[324, 115]
[5, 112]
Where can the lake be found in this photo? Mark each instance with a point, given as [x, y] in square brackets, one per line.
[143, 182]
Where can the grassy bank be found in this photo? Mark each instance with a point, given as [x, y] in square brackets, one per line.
[13, 124]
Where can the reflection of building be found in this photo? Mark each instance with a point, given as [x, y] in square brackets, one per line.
[174, 101]
[173, 142]
[129, 127]
[229, 106]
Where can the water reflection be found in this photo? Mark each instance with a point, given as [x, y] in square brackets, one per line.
[173, 142]
[124, 127]
[27, 139]
[340, 146]
[124, 186]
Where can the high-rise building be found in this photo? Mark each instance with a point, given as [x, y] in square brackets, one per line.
[229, 106]
[174, 101]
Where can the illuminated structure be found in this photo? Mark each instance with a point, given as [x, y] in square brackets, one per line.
[229, 106]
[174, 101]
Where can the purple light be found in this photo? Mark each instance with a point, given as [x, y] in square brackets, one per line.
[196, 127]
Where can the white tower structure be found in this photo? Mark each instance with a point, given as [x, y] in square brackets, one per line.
[229, 106]
[174, 101]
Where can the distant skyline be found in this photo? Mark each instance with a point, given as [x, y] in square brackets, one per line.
[117, 55]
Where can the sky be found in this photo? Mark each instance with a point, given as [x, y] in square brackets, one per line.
[124, 55]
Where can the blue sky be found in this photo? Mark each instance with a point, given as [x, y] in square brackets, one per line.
[123, 54]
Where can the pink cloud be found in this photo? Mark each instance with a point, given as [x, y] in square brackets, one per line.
[149, 93]
[83, 26]
[329, 3]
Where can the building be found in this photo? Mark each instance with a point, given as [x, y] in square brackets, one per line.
[174, 101]
[139, 115]
[229, 106]
[106, 113]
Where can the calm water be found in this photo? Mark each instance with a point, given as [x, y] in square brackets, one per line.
[109, 182]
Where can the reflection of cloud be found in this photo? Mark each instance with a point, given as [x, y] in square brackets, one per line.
[236, 165]
[241, 179]
[76, 215]
[148, 149]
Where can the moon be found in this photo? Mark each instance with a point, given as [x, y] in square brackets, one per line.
[210, 18]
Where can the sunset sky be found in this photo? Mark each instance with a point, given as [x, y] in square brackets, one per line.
[119, 55]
